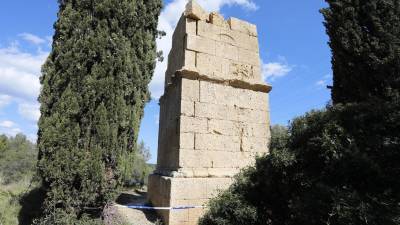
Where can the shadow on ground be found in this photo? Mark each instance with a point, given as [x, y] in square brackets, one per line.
[31, 203]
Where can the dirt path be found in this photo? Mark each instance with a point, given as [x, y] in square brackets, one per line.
[135, 216]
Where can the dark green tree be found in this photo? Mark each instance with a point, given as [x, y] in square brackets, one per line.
[17, 159]
[338, 165]
[365, 43]
[3, 144]
[135, 169]
[94, 88]
[279, 137]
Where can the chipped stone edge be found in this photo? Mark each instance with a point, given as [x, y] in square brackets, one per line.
[195, 75]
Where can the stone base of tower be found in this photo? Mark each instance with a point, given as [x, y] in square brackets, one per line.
[167, 191]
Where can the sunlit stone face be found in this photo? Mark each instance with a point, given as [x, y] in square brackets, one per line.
[214, 117]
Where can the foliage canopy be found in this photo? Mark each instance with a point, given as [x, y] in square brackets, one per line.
[94, 88]
[365, 43]
[17, 158]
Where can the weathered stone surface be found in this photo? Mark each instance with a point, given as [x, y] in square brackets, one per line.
[222, 172]
[190, 90]
[217, 184]
[239, 39]
[252, 115]
[194, 159]
[243, 71]
[227, 95]
[187, 108]
[249, 57]
[190, 60]
[260, 130]
[200, 44]
[193, 124]
[186, 141]
[194, 11]
[227, 51]
[178, 58]
[214, 111]
[208, 30]
[174, 191]
[254, 144]
[217, 142]
[242, 26]
[208, 64]
[223, 127]
[218, 20]
[214, 115]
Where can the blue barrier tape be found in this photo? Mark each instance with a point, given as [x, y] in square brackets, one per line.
[162, 208]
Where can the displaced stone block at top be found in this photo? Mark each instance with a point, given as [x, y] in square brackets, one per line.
[195, 11]
[218, 20]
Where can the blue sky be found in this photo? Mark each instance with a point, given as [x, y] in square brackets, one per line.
[293, 48]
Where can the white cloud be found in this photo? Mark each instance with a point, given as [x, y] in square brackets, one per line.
[167, 22]
[32, 38]
[4, 100]
[324, 81]
[19, 82]
[328, 76]
[32, 138]
[320, 83]
[19, 73]
[7, 124]
[11, 132]
[49, 40]
[216, 5]
[13, 57]
[9, 128]
[29, 111]
[273, 70]
[15, 131]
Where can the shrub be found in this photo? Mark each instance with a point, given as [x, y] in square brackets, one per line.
[334, 169]
[17, 159]
[135, 169]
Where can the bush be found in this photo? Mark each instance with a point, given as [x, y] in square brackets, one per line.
[339, 166]
[230, 208]
[135, 169]
[61, 217]
[9, 208]
[17, 158]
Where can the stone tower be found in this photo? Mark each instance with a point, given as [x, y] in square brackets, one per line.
[214, 116]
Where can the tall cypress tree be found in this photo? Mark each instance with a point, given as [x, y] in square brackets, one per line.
[365, 43]
[94, 88]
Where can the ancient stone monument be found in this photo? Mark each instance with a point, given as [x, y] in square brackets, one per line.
[214, 116]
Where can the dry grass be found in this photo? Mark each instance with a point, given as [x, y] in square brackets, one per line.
[9, 201]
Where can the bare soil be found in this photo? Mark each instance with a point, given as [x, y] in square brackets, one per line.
[121, 214]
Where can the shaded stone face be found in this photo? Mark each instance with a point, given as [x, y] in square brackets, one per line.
[214, 117]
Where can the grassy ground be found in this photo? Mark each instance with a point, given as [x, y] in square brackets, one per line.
[9, 201]
[12, 212]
